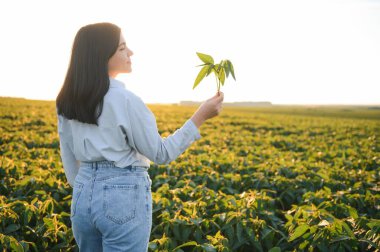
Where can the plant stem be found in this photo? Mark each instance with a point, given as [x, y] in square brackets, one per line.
[217, 83]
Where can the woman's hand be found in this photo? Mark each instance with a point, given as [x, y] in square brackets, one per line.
[208, 109]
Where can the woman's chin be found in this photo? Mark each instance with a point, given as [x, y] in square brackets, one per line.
[127, 71]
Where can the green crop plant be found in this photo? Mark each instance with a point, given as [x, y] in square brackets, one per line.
[221, 70]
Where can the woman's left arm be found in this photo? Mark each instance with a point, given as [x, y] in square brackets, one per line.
[69, 162]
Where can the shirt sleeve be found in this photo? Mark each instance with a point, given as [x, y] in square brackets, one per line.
[70, 164]
[143, 134]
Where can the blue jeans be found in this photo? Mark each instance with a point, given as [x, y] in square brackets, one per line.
[111, 208]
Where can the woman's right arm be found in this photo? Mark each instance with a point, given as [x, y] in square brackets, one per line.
[142, 132]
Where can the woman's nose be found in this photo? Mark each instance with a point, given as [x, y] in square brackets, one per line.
[130, 53]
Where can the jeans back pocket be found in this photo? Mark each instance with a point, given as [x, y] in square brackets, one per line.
[77, 190]
[120, 202]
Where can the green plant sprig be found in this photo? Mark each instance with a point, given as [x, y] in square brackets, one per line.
[221, 70]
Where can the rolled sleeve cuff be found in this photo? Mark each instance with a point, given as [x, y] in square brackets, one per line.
[192, 128]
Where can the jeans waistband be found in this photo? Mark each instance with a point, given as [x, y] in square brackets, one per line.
[105, 164]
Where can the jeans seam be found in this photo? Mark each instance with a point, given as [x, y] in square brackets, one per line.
[80, 189]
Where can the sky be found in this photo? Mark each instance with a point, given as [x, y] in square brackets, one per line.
[283, 51]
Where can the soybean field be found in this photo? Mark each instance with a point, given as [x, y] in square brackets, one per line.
[280, 178]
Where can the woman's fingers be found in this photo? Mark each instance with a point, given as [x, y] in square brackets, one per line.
[220, 96]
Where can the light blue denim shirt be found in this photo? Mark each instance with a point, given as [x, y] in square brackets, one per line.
[127, 134]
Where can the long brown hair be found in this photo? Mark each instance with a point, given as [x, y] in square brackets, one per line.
[87, 80]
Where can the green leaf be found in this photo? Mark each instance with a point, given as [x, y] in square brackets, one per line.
[208, 247]
[203, 65]
[153, 245]
[25, 245]
[353, 212]
[15, 246]
[64, 214]
[266, 231]
[322, 247]
[210, 69]
[215, 70]
[218, 67]
[373, 224]
[231, 69]
[222, 76]
[200, 76]
[348, 230]
[239, 231]
[11, 228]
[186, 233]
[205, 58]
[176, 231]
[300, 230]
[340, 238]
[230, 233]
[313, 229]
[198, 235]
[226, 68]
[303, 244]
[275, 249]
[190, 243]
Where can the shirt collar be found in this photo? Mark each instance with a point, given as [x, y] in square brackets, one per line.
[116, 83]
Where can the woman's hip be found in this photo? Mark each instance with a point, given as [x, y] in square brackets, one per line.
[117, 194]
[120, 208]
[115, 203]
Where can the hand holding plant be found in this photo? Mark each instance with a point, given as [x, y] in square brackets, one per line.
[221, 70]
[208, 109]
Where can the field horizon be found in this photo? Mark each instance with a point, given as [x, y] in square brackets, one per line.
[184, 102]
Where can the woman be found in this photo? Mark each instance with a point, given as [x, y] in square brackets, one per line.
[108, 137]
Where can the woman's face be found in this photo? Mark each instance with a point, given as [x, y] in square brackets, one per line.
[120, 62]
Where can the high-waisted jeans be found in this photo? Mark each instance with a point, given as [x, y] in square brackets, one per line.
[111, 208]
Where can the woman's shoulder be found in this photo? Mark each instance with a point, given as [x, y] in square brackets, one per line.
[118, 93]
